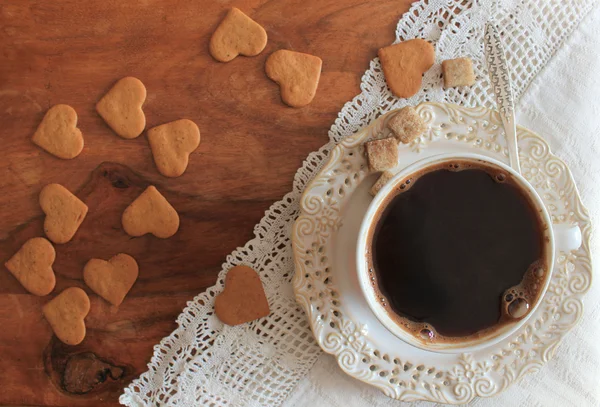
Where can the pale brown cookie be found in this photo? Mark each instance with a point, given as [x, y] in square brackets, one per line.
[297, 75]
[150, 213]
[458, 72]
[381, 181]
[64, 212]
[111, 279]
[66, 312]
[407, 125]
[32, 266]
[58, 133]
[404, 65]
[121, 107]
[243, 299]
[382, 154]
[171, 145]
[237, 35]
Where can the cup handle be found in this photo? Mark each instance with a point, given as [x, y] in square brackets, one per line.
[566, 237]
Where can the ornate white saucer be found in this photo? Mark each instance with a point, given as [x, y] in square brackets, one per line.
[326, 284]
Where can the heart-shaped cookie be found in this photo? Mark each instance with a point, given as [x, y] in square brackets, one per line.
[58, 133]
[121, 107]
[111, 279]
[237, 35]
[297, 75]
[66, 312]
[404, 65]
[171, 145]
[150, 213]
[32, 266]
[243, 298]
[64, 212]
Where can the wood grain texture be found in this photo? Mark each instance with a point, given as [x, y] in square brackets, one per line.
[68, 51]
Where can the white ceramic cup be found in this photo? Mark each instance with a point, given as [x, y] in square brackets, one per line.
[559, 238]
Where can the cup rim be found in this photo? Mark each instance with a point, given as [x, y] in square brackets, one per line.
[369, 292]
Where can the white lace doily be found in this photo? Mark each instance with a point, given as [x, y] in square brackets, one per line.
[204, 362]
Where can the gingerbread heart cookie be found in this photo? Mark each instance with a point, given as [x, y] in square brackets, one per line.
[64, 212]
[237, 35]
[58, 133]
[121, 107]
[171, 145]
[404, 65]
[297, 75]
[243, 299]
[65, 314]
[32, 266]
[150, 213]
[111, 279]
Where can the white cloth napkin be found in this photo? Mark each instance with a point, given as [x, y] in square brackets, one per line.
[563, 105]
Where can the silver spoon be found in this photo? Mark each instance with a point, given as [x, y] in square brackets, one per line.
[500, 81]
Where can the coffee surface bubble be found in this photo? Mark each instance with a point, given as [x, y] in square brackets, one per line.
[518, 308]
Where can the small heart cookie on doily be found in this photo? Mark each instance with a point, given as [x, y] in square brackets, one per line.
[111, 279]
[66, 312]
[32, 266]
[243, 299]
[171, 145]
[150, 213]
[121, 107]
[64, 212]
[58, 133]
[237, 35]
[404, 65]
[297, 75]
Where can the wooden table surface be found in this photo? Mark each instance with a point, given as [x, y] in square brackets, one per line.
[70, 51]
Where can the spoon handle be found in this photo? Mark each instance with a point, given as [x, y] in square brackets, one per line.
[500, 81]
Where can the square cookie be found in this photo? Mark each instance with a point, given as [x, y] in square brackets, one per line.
[407, 125]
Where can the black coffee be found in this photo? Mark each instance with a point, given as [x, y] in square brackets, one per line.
[458, 251]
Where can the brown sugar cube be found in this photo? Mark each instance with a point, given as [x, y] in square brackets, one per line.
[382, 154]
[381, 181]
[458, 72]
[407, 125]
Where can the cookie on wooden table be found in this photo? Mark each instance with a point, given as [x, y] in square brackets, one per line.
[458, 72]
[66, 312]
[121, 107]
[382, 154]
[32, 266]
[407, 125]
[150, 213]
[171, 145]
[237, 35]
[111, 279]
[404, 65]
[64, 212]
[58, 133]
[297, 75]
